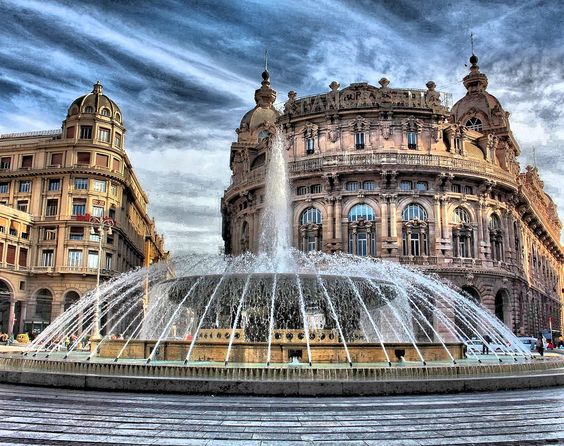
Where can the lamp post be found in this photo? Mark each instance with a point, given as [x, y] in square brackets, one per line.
[102, 226]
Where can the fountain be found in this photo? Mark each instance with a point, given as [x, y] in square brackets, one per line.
[279, 315]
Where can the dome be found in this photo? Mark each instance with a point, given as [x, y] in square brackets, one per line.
[95, 102]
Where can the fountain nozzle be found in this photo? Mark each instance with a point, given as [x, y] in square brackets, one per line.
[389, 363]
[350, 363]
[185, 362]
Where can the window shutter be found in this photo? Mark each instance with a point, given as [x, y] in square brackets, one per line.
[102, 160]
[11, 255]
[23, 257]
[56, 158]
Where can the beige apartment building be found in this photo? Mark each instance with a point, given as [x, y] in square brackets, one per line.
[56, 189]
[398, 174]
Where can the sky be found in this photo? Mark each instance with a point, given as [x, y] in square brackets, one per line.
[184, 74]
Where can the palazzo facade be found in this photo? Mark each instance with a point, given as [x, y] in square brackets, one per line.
[397, 174]
[54, 186]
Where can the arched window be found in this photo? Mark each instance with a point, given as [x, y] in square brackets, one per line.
[474, 124]
[496, 237]
[362, 230]
[368, 185]
[310, 215]
[263, 134]
[88, 109]
[414, 231]
[361, 211]
[311, 230]
[351, 186]
[118, 117]
[460, 215]
[462, 233]
[414, 211]
[258, 161]
[105, 112]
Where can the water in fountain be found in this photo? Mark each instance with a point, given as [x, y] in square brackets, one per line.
[281, 295]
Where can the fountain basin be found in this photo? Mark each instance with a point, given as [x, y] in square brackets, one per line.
[281, 352]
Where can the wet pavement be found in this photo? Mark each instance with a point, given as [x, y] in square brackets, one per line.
[47, 416]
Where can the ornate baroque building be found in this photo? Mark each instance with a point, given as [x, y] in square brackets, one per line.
[52, 184]
[395, 174]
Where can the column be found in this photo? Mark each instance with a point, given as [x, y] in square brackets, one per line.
[11, 316]
[408, 242]
[475, 252]
[444, 221]
[438, 223]
[393, 217]
[384, 225]
[338, 218]
[252, 238]
[368, 243]
[330, 218]
[456, 243]
[354, 241]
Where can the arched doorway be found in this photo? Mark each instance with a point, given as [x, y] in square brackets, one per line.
[71, 297]
[502, 306]
[5, 298]
[43, 311]
[466, 325]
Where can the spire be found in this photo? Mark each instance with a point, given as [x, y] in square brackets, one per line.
[475, 81]
[265, 96]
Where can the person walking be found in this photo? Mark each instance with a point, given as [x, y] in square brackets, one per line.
[540, 346]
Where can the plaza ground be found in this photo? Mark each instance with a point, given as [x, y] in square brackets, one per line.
[44, 416]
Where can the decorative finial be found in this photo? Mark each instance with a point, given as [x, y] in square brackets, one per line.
[97, 88]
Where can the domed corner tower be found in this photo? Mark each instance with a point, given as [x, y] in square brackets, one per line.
[243, 199]
[95, 116]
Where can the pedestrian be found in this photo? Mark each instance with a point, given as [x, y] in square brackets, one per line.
[486, 345]
[540, 346]
[549, 345]
[560, 342]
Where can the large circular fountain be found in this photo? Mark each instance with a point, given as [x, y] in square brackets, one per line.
[282, 317]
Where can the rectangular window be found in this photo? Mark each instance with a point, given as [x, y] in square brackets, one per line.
[117, 139]
[102, 160]
[70, 132]
[310, 146]
[468, 190]
[411, 140]
[25, 186]
[83, 158]
[361, 246]
[352, 186]
[104, 135]
[22, 261]
[75, 258]
[422, 185]
[116, 165]
[92, 259]
[85, 132]
[316, 189]
[27, 161]
[97, 211]
[4, 188]
[99, 185]
[79, 206]
[94, 237]
[359, 140]
[368, 185]
[47, 257]
[52, 208]
[11, 255]
[5, 162]
[109, 262]
[455, 188]
[302, 190]
[458, 145]
[415, 245]
[49, 233]
[112, 214]
[81, 183]
[54, 184]
[22, 205]
[56, 159]
[76, 233]
[405, 185]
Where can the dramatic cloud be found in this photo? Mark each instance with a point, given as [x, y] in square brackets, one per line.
[184, 74]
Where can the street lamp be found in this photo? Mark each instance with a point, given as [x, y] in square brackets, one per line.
[102, 226]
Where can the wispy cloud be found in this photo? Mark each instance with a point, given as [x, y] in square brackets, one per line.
[184, 74]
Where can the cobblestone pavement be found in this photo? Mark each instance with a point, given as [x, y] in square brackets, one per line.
[46, 416]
